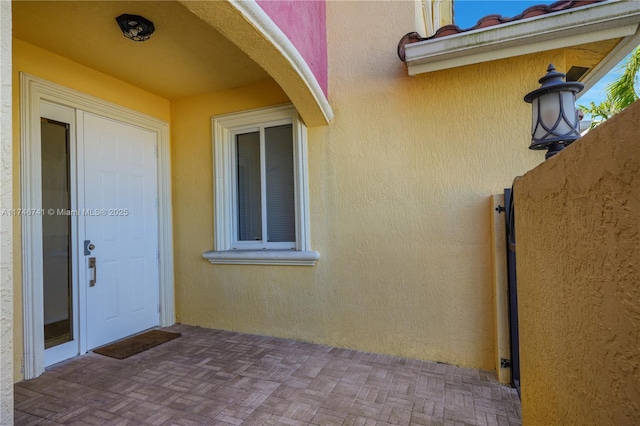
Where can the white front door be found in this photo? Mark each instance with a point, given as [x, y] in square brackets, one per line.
[119, 198]
[81, 154]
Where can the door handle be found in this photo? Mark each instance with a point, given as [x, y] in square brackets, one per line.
[94, 266]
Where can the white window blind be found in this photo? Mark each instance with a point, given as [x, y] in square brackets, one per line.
[281, 213]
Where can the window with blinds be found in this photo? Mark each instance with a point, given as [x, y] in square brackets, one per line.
[265, 187]
[261, 191]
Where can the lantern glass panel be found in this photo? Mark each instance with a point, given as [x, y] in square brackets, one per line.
[570, 111]
[549, 112]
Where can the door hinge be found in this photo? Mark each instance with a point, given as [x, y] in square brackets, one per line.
[500, 209]
[505, 363]
[159, 309]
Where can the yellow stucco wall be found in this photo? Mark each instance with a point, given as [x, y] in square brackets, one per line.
[578, 266]
[399, 186]
[41, 63]
[197, 301]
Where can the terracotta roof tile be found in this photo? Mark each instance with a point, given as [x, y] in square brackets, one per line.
[493, 20]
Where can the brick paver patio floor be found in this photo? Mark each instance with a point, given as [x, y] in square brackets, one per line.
[213, 377]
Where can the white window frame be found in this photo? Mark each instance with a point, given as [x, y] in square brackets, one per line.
[227, 250]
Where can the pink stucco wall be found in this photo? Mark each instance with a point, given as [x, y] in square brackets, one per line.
[303, 22]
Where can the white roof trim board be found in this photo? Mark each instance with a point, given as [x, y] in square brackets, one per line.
[586, 24]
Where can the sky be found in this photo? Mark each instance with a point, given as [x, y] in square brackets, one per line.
[467, 12]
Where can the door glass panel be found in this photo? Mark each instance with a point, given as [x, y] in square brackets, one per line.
[56, 233]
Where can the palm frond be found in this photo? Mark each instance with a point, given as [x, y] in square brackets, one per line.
[623, 91]
[620, 94]
[600, 112]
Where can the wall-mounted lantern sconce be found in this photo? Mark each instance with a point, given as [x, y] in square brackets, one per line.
[554, 121]
[135, 27]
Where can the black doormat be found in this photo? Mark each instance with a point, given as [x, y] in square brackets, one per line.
[136, 344]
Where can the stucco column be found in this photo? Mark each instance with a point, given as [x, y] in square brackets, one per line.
[433, 14]
[6, 258]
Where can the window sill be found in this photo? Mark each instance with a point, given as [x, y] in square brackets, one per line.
[262, 257]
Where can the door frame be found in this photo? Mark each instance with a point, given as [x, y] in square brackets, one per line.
[33, 90]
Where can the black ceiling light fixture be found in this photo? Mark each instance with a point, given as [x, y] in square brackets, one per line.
[135, 27]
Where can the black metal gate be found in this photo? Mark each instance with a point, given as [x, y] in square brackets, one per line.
[512, 288]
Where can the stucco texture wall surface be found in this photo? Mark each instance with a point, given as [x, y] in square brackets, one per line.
[6, 273]
[43, 64]
[578, 250]
[399, 187]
